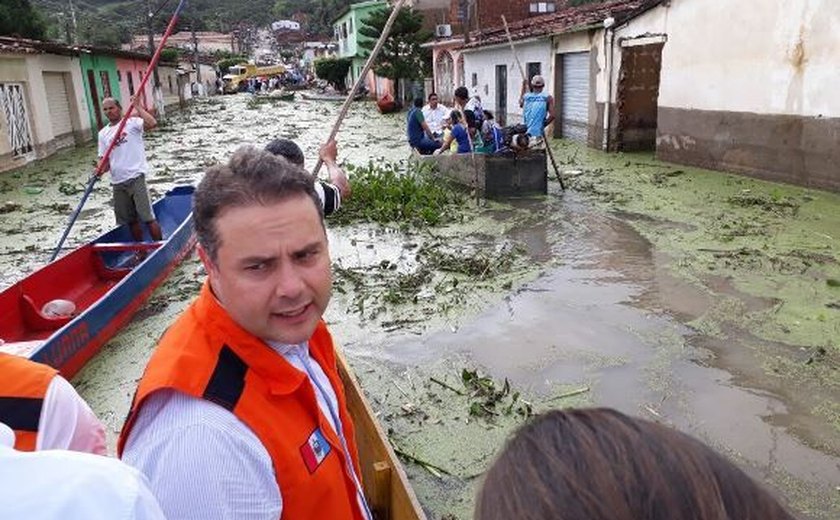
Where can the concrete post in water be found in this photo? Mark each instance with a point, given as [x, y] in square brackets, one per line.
[197, 65]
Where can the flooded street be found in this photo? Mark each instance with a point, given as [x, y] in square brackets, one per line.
[701, 300]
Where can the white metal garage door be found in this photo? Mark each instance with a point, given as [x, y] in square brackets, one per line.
[575, 96]
[59, 103]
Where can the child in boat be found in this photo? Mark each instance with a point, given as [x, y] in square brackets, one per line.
[458, 134]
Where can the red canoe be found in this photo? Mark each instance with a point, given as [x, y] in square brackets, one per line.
[105, 281]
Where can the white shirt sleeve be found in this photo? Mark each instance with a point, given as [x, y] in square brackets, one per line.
[136, 124]
[102, 145]
[67, 422]
[201, 461]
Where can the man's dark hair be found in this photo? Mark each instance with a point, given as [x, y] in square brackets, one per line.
[418, 102]
[251, 177]
[488, 114]
[599, 464]
[286, 148]
[433, 94]
[462, 92]
[454, 116]
[469, 115]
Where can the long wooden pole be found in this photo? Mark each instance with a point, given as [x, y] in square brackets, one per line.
[361, 79]
[525, 78]
[100, 167]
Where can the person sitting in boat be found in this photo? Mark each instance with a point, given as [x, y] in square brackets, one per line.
[464, 100]
[599, 464]
[459, 134]
[44, 410]
[53, 484]
[492, 134]
[435, 114]
[475, 133]
[331, 193]
[537, 109]
[128, 167]
[241, 412]
[418, 131]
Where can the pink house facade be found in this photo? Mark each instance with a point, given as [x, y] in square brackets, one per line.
[447, 67]
[129, 74]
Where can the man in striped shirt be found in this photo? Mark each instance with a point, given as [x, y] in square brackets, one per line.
[241, 412]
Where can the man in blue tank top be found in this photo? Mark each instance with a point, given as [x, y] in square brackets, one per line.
[537, 107]
[418, 132]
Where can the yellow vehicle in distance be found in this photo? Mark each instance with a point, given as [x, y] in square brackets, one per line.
[237, 74]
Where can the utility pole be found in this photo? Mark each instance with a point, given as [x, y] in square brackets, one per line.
[75, 27]
[151, 31]
[157, 93]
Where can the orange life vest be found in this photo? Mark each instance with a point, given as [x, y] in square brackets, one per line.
[23, 385]
[207, 355]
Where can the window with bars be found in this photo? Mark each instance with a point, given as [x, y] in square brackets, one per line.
[534, 69]
[537, 8]
[106, 83]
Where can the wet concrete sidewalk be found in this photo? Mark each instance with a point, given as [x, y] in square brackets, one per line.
[662, 291]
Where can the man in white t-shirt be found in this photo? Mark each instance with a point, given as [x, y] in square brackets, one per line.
[435, 115]
[128, 167]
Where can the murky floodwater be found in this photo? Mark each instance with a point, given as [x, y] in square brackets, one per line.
[660, 291]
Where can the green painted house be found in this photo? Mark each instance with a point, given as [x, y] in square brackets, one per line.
[346, 29]
[99, 73]
[109, 73]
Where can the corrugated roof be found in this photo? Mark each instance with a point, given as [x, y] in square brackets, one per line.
[10, 45]
[565, 20]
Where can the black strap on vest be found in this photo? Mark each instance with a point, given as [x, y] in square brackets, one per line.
[21, 413]
[228, 379]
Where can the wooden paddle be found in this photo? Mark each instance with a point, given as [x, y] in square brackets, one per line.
[525, 78]
[361, 79]
[100, 167]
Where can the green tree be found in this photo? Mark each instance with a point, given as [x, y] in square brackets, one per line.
[333, 70]
[169, 55]
[20, 18]
[226, 63]
[401, 56]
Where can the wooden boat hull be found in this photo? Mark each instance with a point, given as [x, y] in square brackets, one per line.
[103, 282]
[385, 483]
[494, 176]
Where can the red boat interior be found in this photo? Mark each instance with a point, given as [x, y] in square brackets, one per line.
[81, 277]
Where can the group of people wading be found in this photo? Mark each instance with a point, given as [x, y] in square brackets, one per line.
[467, 127]
[241, 414]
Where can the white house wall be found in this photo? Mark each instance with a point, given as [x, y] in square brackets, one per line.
[29, 70]
[42, 125]
[483, 61]
[749, 88]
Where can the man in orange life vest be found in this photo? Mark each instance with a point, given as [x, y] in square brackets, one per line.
[241, 413]
[44, 410]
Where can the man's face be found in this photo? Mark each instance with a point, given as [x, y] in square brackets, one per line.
[272, 270]
[433, 101]
[112, 111]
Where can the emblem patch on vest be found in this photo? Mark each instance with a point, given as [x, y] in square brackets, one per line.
[315, 450]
